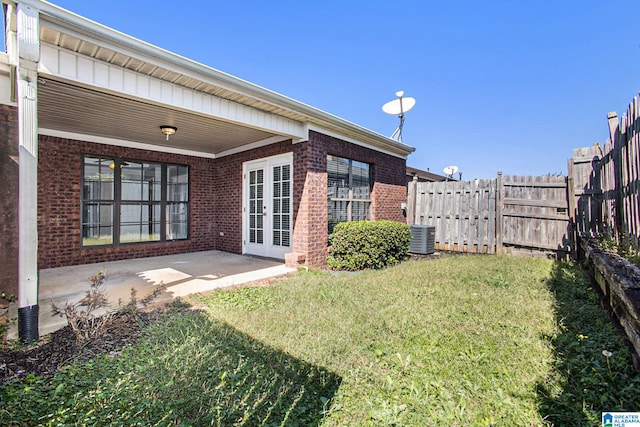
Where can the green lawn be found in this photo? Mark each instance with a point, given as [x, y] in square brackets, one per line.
[457, 340]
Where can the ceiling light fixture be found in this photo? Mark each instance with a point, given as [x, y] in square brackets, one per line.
[168, 130]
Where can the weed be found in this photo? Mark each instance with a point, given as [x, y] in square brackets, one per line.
[87, 323]
[89, 318]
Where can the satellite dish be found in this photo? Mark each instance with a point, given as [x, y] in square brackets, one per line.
[450, 170]
[398, 107]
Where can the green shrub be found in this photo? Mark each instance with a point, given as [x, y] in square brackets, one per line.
[360, 245]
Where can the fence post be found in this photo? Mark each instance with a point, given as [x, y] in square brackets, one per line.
[571, 200]
[499, 213]
[412, 195]
[616, 153]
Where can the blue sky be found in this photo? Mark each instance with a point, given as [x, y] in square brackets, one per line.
[500, 85]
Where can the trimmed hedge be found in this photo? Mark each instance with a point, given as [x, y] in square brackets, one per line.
[360, 245]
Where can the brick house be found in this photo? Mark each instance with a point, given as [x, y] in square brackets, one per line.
[88, 175]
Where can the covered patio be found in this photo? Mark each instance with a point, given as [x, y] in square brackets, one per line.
[118, 149]
[183, 274]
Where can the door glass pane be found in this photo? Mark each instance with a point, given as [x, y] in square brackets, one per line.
[280, 205]
[286, 238]
[256, 203]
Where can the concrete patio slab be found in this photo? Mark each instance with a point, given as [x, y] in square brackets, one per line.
[182, 274]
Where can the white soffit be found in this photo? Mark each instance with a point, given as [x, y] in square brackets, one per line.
[70, 108]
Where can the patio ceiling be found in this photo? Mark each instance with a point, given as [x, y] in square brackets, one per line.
[70, 108]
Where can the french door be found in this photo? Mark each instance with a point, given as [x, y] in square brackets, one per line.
[267, 206]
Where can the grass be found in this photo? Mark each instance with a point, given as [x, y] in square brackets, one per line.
[458, 340]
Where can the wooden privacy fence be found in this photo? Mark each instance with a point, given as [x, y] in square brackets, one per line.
[599, 195]
[494, 215]
[606, 181]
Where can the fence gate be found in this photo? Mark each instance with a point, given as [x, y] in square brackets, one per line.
[535, 212]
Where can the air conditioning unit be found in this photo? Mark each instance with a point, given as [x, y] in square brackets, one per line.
[423, 239]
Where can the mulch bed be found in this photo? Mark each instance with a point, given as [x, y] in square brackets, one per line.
[60, 347]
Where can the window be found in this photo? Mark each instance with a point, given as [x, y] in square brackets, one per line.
[97, 202]
[133, 201]
[349, 190]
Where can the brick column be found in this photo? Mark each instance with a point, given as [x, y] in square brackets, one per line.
[310, 204]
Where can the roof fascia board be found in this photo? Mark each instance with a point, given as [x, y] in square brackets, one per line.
[155, 59]
[324, 131]
[374, 140]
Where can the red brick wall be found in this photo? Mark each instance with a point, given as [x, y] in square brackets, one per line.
[215, 198]
[59, 182]
[228, 209]
[389, 190]
[215, 202]
[9, 199]
[310, 203]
